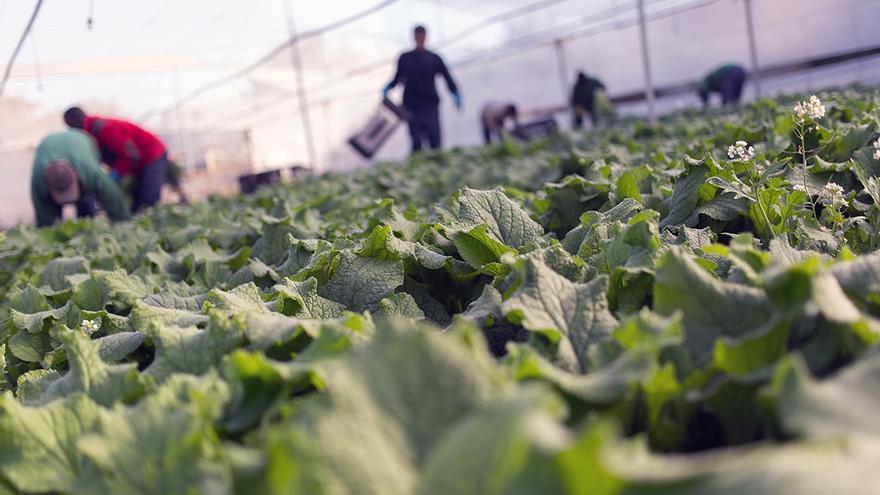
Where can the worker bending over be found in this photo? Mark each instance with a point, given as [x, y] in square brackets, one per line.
[493, 116]
[129, 150]
[726, 80]
[67, 170]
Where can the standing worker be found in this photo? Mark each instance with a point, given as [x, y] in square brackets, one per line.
[130, 151]
[583, 98]
[67, 170]
[727, 80]
[416, 70]
[493, 116]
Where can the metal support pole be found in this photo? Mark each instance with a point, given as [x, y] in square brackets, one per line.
[300, 85]
[753, 49]
[180, 133]
[646, 63]
[563, 68]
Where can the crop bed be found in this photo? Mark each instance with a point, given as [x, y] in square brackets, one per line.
[690, 307]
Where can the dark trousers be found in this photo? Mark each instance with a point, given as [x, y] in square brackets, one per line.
[87, 207]
[488, 134]
[148, 189]
[578, 116]
[424, 124]
[731, 86]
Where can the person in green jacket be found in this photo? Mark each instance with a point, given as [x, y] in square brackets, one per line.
[726, 80]
[67, 170]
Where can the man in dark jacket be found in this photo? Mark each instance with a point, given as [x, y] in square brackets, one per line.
[727, 80]
[129, 150]
[67, 170]
[583, 97]
[416, 70]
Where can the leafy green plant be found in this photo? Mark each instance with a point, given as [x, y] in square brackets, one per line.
[688, 307]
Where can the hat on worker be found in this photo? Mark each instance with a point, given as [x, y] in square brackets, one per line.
[62, 182]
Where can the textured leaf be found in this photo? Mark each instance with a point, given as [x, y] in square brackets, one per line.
[37, 322]
[163, 444]
[264, 330]
[245, 298]
[478, 247]
[103, 383]
[842, 405]
[30, 347]
[548, 302]
[860, 276]
[116, 347]
[91, 295]
[189, 349]
[506, 220]
[301, 299]
[503, 449]
[143, 315]
[273, 244]
[4, 384]
[628, 186]
[56, 272]
[38, 450]
[31, 386]
[384, 245]
[685, 197]
[400, 305]
[725, 207]
[360, 283]
[711, 308]
[386, 408]
[795, 469]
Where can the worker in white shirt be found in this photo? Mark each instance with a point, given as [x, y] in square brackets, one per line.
[493, 118]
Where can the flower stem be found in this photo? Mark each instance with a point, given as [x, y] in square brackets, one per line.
[803, 150]
[764, 214]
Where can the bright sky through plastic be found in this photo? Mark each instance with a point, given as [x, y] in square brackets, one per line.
[138, 51]
[143, 55]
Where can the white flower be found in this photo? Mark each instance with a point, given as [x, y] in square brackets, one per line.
[832, 195]
[799, 187]
[877, 154]
[811, 109]
[740, 151]
[877, 143]
[90, 326]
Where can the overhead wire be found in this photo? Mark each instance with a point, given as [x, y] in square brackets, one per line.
[468, 31]
[18, 46]
[266, 58]
[385, 62]
[526, 42]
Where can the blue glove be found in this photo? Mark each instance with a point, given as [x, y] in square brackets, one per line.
[388, 87]
[456, 98]
[114, 175]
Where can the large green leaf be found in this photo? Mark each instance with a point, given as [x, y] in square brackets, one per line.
[578, 314]
[190, 349]
[360, 283]
[505, 219]
[711, 308]
[386, 408]
[840, 406]
[38, 445]
[164, 444]
[89, 374]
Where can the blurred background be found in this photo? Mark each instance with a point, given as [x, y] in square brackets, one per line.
[239, 87]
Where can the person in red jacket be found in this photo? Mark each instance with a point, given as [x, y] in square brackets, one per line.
[129, 150]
